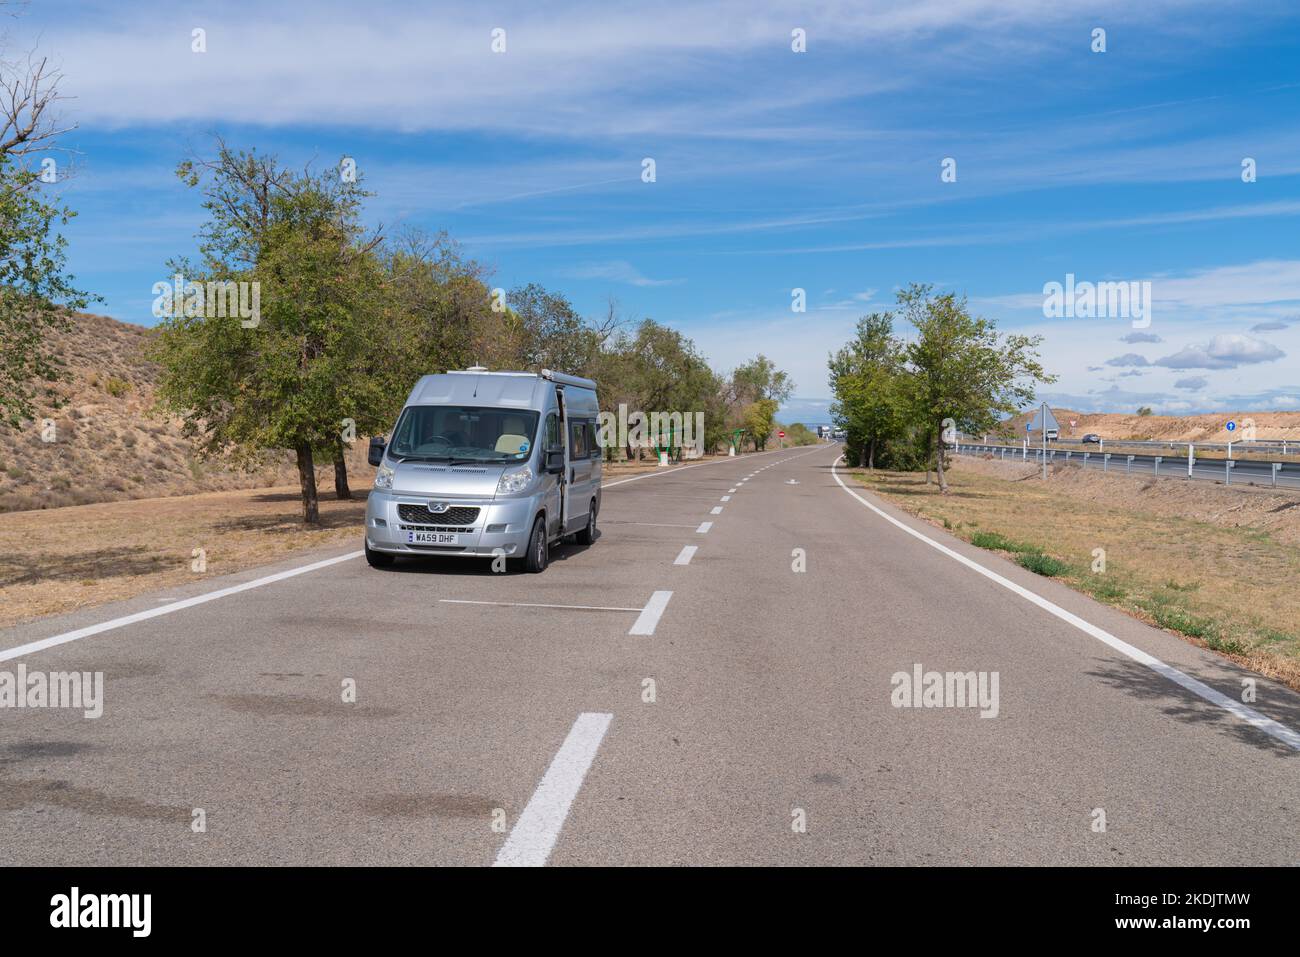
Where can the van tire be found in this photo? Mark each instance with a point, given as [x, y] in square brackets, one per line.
[378, 559]
[588, 534]
[539, 549]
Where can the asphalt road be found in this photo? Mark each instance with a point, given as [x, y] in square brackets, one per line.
[1172, 465]
[495, 722]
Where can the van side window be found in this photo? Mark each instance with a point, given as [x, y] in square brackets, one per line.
[553, 439]
[578, 437]
[593, 447]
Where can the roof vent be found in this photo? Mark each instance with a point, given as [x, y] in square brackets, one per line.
[477, 369]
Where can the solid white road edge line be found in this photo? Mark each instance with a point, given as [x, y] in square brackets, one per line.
[34, 646]
[529, 604]
[685, 555]
[1249, 715]
[534, 835]
[649, 618]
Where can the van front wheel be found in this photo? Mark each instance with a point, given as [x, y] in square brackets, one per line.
[588, 535]
[538, 548]
[378, 559]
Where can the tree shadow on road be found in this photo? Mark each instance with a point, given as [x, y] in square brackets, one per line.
[1182, 705]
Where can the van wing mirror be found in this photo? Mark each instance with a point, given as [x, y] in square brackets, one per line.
[377, 446]
[554, 459]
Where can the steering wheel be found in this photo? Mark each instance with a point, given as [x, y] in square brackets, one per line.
[438, 438]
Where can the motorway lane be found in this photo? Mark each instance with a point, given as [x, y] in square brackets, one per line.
[773, 694]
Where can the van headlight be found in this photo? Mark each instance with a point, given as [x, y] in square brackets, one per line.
[515, 481]
[384, 477]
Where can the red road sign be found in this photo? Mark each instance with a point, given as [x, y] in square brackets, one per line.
[781, 435]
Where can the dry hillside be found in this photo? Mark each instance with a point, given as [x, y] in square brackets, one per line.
[1175, 428]
[110, 441]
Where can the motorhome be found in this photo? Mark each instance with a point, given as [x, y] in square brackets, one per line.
[488, 465]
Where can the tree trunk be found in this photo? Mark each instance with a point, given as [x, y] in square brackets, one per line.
[341, 490]
[307, 479]
[871, 455]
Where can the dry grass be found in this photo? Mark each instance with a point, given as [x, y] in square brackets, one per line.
[59, 560]
[1216, 566]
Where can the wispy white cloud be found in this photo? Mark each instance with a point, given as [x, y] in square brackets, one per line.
[618, 271]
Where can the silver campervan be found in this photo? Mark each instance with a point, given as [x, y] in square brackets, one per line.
[487, 464]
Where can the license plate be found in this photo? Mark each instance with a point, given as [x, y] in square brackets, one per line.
[432, 538]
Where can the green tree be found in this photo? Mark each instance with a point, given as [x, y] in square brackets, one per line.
[290, 380]
[553, 334]
[869, 383]
[36, 293]
[962, 369]
[759, 421]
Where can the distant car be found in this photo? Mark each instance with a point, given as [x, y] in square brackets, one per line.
[1092, 438]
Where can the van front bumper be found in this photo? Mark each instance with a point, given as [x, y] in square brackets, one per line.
[500, 526]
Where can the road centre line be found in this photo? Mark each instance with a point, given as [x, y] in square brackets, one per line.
[704, 528]
[725, 498]
[534, 835]
[685, 555]
[716, 510]
[648, 524]
[647, 621]
[33, 646]
[1250, 716]
[530, 604]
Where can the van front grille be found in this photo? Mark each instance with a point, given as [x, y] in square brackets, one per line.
[420, 515]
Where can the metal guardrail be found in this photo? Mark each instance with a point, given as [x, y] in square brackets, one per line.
[1274, 447]
[1246, 471]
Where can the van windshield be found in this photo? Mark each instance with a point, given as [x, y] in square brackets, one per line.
[463, 433]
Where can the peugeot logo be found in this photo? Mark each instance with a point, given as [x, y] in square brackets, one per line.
[437, 508]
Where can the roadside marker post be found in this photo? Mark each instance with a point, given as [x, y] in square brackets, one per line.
[1191, 459]
[1159, 459]
[1085, 459]
[1277, 467]
[1105, 462]
[1128, 465]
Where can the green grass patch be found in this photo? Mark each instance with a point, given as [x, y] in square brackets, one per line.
[1103, 589]
[1041, 564]
[1001, 543]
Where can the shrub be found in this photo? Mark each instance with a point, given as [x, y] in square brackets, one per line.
[116, 387]
[1041, 564]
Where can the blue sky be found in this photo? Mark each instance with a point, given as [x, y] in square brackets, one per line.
[775, 170]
